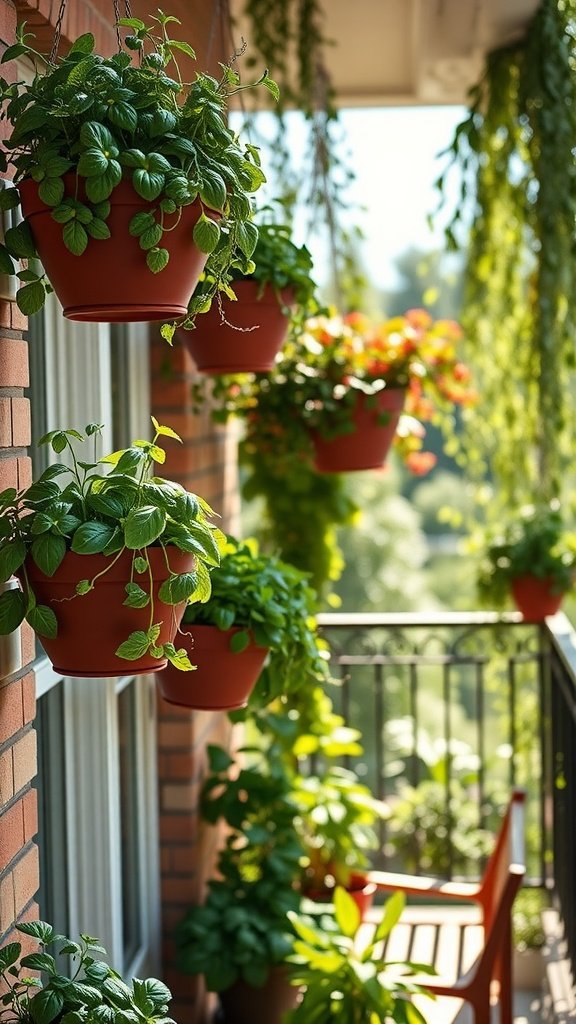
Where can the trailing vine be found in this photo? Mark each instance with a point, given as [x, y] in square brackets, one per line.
[516, 153]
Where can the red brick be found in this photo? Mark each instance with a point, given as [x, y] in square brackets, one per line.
[24, 472]
[29, 698]
[179, 827]
[28, 648]
[166, 361]
[177, 890]
[179, 797]
[7, 21]
[183, 859]
[174, 734]
[24, 754]
[178, 766]
[21, 422]
[8, 473]
[11, 713]
[7, 910]
[26, 879]
[18, 322]
[30, 814]
[6, 778]
[169, 395]
[11, 834]
[5, 423]
[14, 372]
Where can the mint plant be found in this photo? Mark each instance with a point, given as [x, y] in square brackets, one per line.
[103, 120]
[92, 991]
[77, 508]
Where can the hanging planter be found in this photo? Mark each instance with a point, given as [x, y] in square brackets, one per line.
[107, 562]
[69, 651]
[128, 187]
[374, 420]
[249, 337]
[111, 281]
[257, 604]
[535, 598]
[222, 681]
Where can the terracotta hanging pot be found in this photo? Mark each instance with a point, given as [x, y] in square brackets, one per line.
[110, 282]
[92, 627]
[244, 1004]
[535, 598]
[260, 325]
[367, 446]
[223, 679]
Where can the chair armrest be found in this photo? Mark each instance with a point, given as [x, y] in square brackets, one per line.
[421, 885]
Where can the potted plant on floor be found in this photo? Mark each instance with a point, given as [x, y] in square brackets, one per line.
[532, 560]
[240, 937]
[345, 979]
[106, 562]
[244, 330]
[89, 990]
[124, 169]
[259, 606]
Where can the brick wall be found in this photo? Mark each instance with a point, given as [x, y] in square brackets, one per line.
[206, 464]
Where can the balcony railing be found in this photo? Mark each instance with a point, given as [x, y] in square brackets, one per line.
[455, 710]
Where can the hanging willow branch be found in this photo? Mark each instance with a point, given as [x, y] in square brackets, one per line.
[516, 152]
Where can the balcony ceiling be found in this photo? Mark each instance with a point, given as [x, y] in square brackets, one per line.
[396, 52]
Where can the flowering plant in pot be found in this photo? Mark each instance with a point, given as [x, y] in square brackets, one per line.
[259, 606]
[114, 557]
[343, 980]
[89, 990]
[244, 330]
[240, 937]
[532, 559]
[124, 168]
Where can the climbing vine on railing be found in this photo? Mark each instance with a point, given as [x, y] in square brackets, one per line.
[516, 150]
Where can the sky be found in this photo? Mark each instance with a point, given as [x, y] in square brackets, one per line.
[393, 154]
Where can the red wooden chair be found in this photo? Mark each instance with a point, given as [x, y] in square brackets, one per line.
[494, 896]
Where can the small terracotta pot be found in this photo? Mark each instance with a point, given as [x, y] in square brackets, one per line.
[222, 680]
[110, 282]
[367, 446]
[92, 627]
[243, 1004]
[251, 345]
[535, 597]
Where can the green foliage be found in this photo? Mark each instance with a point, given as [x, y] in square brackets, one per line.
[346, 983]
[75, 508]
[527, 931]
[107, 119]
[92, 991]
[535, 542]
[518, 143]
[242, 929]
[273, 603]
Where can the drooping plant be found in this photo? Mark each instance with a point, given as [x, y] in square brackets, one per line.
[516, 150]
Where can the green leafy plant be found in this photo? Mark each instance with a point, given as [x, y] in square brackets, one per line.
[515, 153]
[349, 983]
[535, 542]
[271, 602]
[74, 508]
[107, 119]
[90, 991]
[527, 930]
[242, 929]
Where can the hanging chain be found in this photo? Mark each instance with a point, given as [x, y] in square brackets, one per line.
[57, 32]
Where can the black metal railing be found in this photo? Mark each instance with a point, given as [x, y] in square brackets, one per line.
[454, 710]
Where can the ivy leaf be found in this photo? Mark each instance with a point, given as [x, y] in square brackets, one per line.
[206, 233]
[151, 237]
[12, 611]
[143, 526]
[134, 647]
[98, 229]
[46, 1006]
[179, 658]
[91, 538]
[124, 115]
[247, 235]
[12, 556]
[239, 641]
[140, 223]
[165, 431]
[136, 596]
[178, 587]
[75, 237]
[9, 198]
[140, 565]
[100, 188]
[92, 162]
[51, 191]
[213, 191]
[6, 261]
[148, 184]
[44, 622]
[167, 331]
[157, 259]
[48, 550]
[31, 297]
[19, 241]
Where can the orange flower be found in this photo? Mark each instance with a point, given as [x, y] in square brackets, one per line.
[420, 463]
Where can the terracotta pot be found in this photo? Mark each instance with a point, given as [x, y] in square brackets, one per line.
[535, 597]
[92, 627]
[243, 1004]
[251, 345]
[110, 282]
[367, 446]
[222, 680]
